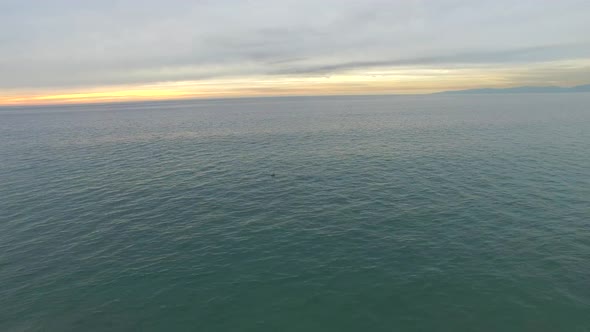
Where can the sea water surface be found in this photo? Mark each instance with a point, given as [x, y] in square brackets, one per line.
[385, 213]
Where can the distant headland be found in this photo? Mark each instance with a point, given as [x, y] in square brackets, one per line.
[523, 89]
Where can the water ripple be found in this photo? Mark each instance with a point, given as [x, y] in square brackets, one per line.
[385, 213]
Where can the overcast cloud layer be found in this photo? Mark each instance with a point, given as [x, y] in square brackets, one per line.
[59, 43]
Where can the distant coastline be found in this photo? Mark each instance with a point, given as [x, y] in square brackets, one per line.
[523, 89]
[514, 90]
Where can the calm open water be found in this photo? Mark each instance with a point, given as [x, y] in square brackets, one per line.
[408, 213]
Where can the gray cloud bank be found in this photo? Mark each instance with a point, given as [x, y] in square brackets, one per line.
[64, 43]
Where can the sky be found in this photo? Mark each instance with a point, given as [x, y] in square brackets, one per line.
[64, 51]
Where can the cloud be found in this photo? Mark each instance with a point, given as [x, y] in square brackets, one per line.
[520, 55]
[67, 43]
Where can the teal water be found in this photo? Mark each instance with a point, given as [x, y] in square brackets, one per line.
[425, 213]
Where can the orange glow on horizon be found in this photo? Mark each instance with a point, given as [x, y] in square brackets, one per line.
[226, 89]
[375, 81]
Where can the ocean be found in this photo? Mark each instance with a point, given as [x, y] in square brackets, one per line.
[358, 213]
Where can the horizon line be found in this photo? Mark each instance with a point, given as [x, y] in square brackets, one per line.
[114, 101]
